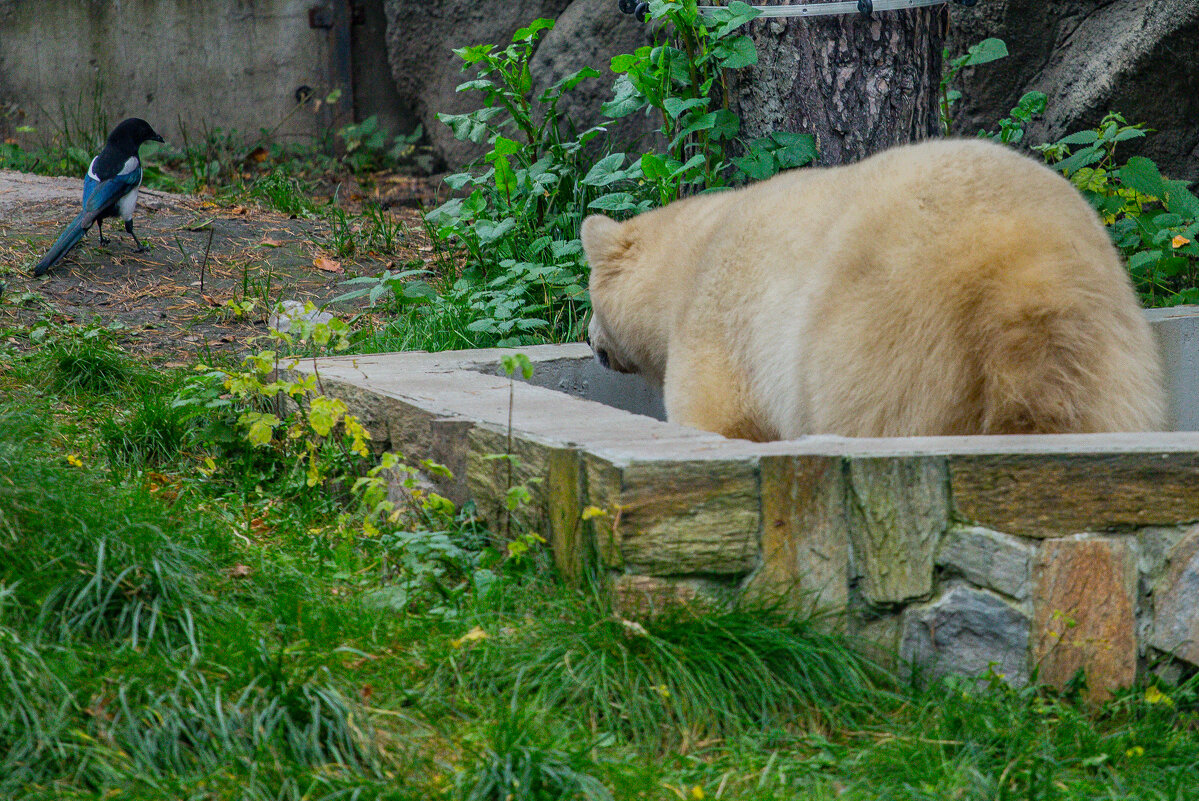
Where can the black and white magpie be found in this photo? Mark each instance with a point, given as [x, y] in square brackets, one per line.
[110, 189]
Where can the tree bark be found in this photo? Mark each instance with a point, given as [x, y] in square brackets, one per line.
[859, 85]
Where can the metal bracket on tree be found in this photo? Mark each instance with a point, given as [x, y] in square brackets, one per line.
[863, 7]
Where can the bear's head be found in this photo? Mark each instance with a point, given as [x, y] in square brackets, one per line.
[606, 246]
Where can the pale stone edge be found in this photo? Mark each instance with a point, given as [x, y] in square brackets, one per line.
[455, 384]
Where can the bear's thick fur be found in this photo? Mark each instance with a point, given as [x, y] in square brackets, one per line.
[948, 287]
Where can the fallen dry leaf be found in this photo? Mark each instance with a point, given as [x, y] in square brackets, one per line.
[327, 264]
[474, 635]
[271, 243]
[210, 300]
[239, 571]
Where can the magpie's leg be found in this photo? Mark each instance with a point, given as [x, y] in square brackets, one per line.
[129, 229]
[100, 228]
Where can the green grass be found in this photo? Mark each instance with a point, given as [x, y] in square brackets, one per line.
[172, 628]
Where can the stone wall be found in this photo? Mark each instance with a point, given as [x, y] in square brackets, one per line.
[956, 554]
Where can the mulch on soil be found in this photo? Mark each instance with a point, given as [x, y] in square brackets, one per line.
[156, 297]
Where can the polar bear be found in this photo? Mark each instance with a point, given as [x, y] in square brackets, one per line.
[943, 288]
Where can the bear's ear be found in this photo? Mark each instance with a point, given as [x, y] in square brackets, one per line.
[600, 235]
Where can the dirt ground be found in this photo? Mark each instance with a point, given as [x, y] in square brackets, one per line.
[167, 312]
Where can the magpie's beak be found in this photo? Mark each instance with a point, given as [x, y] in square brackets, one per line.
[157, 138]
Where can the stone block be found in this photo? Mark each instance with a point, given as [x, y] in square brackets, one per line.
[877, 637]
[898, 508]
[490, 475]
[448, 446]
[1050, 495]
[1176, 602]
[989, 559]
[670, 518]
[641, 597]
[967, 632]
[1084, 591]
[564, 509]
[805, 533]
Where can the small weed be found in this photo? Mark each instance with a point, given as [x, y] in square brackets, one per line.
[373, 232]
[155, 433]
[513, 762]
[284, 193]
[673, 678]
[368, 149]
[89, 364]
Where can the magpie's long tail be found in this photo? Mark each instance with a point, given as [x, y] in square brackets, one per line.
[66, 240]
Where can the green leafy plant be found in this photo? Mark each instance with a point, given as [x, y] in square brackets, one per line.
[1153, 220]
[369, 147]
[282, 191]
[1011, 128]
[513, 269]
[683, 78]
[983, 52]
[281, 411]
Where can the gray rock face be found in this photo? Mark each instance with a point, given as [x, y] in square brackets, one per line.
[1090, 56]
[989, 559]
[965, 632]
[421, 37]
[588, 34]
[1176, 603]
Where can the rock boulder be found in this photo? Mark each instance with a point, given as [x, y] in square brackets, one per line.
[1090, 57]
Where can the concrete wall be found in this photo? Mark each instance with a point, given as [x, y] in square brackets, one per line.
[233, 64]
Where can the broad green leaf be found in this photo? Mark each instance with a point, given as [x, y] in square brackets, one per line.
[615, 201]
[490, 231]
[535, 27]
[1087, 137]
[654, 167]
[737, 53]
[606, 171]
[1083, 158]
[505, 147]
[1180, 200]
[1141, 262]
[985, 51]
[675, 106]
[1142, 175]
[573, 80]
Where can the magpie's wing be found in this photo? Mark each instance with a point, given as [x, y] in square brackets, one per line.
[105, 194]
[89, 185]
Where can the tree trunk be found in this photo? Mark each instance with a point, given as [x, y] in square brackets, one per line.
[859, 85]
